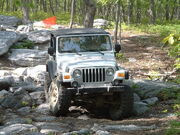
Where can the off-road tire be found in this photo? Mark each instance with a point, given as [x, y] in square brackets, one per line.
[46, 86]
[59, 99]
[125, 107]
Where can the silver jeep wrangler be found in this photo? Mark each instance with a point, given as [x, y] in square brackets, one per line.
[82, 69]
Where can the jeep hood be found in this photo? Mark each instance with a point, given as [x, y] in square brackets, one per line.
[86, 60]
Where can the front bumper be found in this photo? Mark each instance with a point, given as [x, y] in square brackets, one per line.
[104, 89]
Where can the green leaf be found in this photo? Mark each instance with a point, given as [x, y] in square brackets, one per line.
[171, 40]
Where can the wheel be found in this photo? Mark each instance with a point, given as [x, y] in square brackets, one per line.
[46, 86]
[123, 106]
[59, 98]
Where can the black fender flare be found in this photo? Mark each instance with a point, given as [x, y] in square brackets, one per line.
[51, 68]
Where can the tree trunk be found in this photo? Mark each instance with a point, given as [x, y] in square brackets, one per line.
[2, 6]
[72, 13]
[7, 5]
[51, 6]
[90, 13]
[44, 4]
[128, 14]
[65, 5]
[167, 10]
[117, 22]
[152, 12]
[120, 27]
[173, 10]
[25, 10]
[138, 12]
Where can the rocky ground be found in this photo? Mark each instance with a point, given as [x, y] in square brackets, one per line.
[23, 109]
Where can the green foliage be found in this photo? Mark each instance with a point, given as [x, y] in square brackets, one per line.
[120, 56]
[162, 30]
[24, 103]
[174, 128]
[26, 44]
[173, 41]
[154, 75]
[170, 93]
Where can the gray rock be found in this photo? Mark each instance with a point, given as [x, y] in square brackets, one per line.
[28, 57]
[128, 127]
[34, 133]
[17, 101]
[80, 132]
[24, 110]
[7, 39]
[52, 127]
[3, 95]
[41, 36]
[151, 101]
[17, 129]
[83, 117]
[6, 82]
[147, 88]
[100, 132]
[18, 121]
[44, 118]
[100, 22]
[9, 20]
[37, 73]
[38, 97]
[140, 108]
[136, 98]
[43, 109]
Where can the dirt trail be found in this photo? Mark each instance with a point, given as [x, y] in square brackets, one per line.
[143, 54]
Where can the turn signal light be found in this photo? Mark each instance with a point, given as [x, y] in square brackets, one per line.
[67, 77]
[121, 75]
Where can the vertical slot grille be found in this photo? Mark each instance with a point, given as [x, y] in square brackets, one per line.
[93, 75]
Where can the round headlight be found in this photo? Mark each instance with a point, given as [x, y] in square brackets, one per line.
[110, 72]
[77, 73]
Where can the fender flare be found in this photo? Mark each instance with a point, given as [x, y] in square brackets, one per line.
[51, 68]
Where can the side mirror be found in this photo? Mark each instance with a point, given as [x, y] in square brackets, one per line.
[51, 51]
[117, 48]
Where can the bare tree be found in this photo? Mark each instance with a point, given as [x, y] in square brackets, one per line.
[90, 13]
[25, 10]
[152, 12]
[72, 13]
[117, 22]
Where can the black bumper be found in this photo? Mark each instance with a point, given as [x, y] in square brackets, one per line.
[104, 89]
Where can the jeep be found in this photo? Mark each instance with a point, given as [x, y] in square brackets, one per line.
[82, 68]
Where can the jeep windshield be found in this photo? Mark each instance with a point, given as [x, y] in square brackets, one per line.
[89, 43]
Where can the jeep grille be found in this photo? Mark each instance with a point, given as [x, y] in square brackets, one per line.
[93, 75]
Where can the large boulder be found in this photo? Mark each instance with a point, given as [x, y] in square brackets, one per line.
[9, 20]
[37, 73]
[98, 23]
[40, 36]
[28, 57]
[148, 89]
[7, 39]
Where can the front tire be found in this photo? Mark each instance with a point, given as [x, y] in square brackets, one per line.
[124, 104]
[59, 98]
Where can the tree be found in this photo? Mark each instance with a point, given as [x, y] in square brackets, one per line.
[72, 13]
[152, 12]
[117, 21]
[90, 13]
[25, 10]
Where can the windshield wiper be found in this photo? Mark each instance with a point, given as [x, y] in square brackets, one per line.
[72, 52]
[101, 52]
[96, 51]
[78, 53]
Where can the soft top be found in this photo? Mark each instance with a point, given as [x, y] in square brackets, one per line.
[79, 31]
